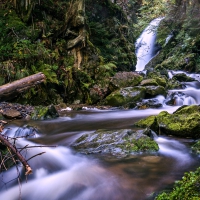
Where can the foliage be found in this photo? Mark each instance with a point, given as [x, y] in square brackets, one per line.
[112, 33]
[34, 37]
[149, 10]
[188, 188]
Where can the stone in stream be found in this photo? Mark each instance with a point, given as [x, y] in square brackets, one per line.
[125, 95]
[118, 143]
[184, 122]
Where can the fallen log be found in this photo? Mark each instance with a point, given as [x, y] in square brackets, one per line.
[10, 90]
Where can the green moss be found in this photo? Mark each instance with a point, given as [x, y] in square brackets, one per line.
[188, 188]
[196, 147]
[143, 144]
[149, 122]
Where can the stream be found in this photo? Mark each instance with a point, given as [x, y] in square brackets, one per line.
[61, 173]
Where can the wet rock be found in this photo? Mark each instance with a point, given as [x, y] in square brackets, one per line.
[124, 79]
[149, 82]
[150, 103]
[155, 90]
[116, 142]
[182, 77]
[41, 113]
[125, 95]
[149, 122]
[185, 122]
[11, 114]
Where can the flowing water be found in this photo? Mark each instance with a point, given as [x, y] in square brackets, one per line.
[146, 47]
[61, 173]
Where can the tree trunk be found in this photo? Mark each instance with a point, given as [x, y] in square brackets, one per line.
[10, 90]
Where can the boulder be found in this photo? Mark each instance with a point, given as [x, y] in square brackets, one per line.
[182, 77]
[149, 103]
[155, 90]
[149, 82]
[42, 113]
[116, 142]
[124, 79]
[11, 114]
[185, 122]
[125, 95]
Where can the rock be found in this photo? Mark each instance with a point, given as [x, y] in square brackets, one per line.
[182, 77]
[149, 122]
[41, 113]
[11, 114]
[149, 82]
[125, 95]
[150, 103]
[155, 90]
[124, 79]
[116, 142]
[185, 122]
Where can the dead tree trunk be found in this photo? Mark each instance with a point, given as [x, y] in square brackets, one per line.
[10, 90]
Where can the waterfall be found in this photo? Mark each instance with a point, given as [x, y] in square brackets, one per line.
[146, 47]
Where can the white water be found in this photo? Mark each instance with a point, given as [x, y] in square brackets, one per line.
[60, 174]
[145, 44]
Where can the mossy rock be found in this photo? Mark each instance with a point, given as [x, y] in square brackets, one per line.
[125, 95]
[118, 143]
[187, 110]
[180, 124]
[185, 122]
[155, 90]
[124, 79]
[147, 82]
[41, 113]
[149, 122]
[161, 81]
[182, 77]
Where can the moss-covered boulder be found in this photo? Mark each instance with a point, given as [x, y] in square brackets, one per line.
[155, 90]
[149, 82]
[185, 122]
[180, 124]
[125, 95]
[149, 122]
[161, 81]
[124, 79]
[116, 142]
[182, 77]
[41, 113]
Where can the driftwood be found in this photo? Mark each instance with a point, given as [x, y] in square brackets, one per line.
[10, 90]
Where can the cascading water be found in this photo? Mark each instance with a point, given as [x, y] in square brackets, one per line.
[146, 47]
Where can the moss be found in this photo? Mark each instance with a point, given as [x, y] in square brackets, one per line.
[149, 82]
[41, 113]
[149, 122]
[143, 144]
[196, 147]
[155, 90]
[125, 95]
[188, 188]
